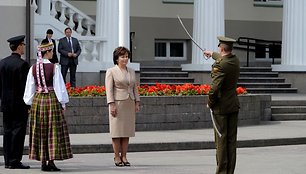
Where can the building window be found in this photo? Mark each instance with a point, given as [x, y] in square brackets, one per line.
[268, 3]
[178, 1]
[170, 49]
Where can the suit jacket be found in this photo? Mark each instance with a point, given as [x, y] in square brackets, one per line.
[119, 87]
[64, 49]
[13, 77]
[54, 57]
[222, 97]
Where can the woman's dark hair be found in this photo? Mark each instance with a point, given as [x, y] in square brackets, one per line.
[49, 31]
[119, 51]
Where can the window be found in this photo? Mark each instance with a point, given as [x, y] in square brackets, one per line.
[178, 1]
[268, 3]
[170, 49]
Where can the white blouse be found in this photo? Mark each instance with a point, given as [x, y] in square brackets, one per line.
[58, 85]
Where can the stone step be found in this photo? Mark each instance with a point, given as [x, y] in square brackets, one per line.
[265, 85]
[258, 74]
[166, 79]
[171, 83]
[288, 103]
[288, 109]
[288, 116]
[160, 69]
[164, 74]
[271, 90]
[261, 80]
[255, 69]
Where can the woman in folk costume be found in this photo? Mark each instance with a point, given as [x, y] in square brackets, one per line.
[46, 93]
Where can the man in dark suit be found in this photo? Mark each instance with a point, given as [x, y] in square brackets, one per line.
[70, 49]
[224, 103]
[49, 39]
[13, 76]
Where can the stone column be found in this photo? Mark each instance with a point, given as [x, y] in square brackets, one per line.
[113, 23]
[124, 23]
[107, 26]
[293, 37]
[44, 7]
[208, 23]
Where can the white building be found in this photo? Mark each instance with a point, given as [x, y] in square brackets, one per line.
[152, 31]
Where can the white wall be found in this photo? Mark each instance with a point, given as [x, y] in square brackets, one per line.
[240, 10]
[244, 10]
[12, 3]
[88, 7]
[157, 9]
[13, 20]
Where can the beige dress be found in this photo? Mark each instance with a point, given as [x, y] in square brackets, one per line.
[121, 88]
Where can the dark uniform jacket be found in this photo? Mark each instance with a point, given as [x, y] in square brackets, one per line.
[223, 98]
[13, 77]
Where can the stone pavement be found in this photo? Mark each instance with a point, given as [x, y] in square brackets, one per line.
[279, 147]
[270, 133]
[259, 160]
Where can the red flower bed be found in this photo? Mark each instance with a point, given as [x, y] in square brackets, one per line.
[146, 90]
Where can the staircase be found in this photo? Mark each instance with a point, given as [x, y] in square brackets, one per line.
[254, 79]
[263, 80]
[284, 110]
[170, 74]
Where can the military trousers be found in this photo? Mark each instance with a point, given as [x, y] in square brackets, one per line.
[14, 127]
[227, 143]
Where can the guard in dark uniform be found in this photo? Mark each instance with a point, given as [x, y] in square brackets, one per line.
[13, 76]
[223, 101]
[48, 38]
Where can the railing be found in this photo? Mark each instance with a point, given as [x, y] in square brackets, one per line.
[67, 14]
[268, 3]
[260, 47]
[91, 49]
[61, 14]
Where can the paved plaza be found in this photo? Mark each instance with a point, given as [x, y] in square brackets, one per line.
[277, 147]
[260, 160]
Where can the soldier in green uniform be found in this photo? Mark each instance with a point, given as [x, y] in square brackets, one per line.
[223, 102]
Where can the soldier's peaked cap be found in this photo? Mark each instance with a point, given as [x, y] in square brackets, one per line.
[226, 40]
[16, 40]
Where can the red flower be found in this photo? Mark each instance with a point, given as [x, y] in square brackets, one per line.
[241, 90]
[146, 90]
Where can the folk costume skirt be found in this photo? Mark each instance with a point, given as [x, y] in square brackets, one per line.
[49, 137]
[123, 125]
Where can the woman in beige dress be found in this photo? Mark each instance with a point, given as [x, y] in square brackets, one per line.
[123, 101]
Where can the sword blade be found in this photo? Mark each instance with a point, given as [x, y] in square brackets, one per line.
[182, 24]
[214, 123]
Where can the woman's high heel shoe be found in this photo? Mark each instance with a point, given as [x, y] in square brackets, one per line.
[118, 163]
[127, 163]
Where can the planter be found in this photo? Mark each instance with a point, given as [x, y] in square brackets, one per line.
[90, 114]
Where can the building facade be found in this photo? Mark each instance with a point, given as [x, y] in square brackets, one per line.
[151, 29]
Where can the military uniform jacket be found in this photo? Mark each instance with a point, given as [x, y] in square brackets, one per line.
[223, 98]
[13, 76]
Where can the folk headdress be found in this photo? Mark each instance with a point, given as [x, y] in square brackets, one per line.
[40, 68]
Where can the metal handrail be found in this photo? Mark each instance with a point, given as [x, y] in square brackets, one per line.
[252, 43]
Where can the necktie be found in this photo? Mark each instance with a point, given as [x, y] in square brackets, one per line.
[69, 43]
